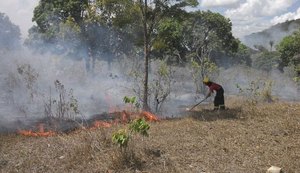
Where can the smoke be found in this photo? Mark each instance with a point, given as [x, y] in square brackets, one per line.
[20, 13]
[275, 33]
[27, 83]
[282, 85]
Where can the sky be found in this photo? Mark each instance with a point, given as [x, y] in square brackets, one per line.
[247, 16]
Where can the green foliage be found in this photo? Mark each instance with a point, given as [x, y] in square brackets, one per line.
[169, 34]
[241, 56]
[140, 126]
[121, 137]
[266, 61]
[206, 34]
[58, 23]
[211, 30]
[289, 49]
[130, 100]
[69, 29]
[163, 69]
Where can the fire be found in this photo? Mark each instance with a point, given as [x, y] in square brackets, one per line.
[98, 124]
[149, 116]
[120, 117]
[41, 132]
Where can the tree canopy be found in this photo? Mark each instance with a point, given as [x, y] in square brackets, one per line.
[289, 49]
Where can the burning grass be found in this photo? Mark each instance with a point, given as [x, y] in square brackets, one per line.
[107, 120]
[245, 138]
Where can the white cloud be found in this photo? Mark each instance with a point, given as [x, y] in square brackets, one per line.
[286, 16]
[258, 8]
[239, 30]
[20, 13]
[253, 15]
[217, 3]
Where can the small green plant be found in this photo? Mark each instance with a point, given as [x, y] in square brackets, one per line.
[132, 101]
[126, 156]
[140, 126]
[121, 137]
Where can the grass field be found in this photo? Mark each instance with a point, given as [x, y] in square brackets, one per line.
[243, 139]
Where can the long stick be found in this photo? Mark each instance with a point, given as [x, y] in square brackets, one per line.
[196, 105]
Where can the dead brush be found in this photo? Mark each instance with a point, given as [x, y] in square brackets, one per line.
[87, 147]
[63, 105]
[126, 159]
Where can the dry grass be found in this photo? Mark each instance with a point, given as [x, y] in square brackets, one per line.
[243, 139]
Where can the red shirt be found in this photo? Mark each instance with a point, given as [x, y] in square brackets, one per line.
[214, 86]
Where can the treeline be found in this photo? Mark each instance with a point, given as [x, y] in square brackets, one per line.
[110, 29]
[107, 30]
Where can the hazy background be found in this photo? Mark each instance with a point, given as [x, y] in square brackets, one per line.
[27, 79]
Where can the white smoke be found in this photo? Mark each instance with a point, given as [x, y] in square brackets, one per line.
[20, 13]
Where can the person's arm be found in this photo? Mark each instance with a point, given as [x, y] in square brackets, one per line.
[208, 94]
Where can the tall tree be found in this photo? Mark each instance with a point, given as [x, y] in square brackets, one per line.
[153, 11]
[52, 19]
[289, 49]
[207, 32]
[88, 29]
[143, 17]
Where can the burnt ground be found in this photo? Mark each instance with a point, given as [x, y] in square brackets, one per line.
[243, 139]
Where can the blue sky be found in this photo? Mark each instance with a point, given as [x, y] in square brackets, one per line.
[247, 16]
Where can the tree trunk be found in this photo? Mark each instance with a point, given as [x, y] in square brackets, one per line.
[146, 57]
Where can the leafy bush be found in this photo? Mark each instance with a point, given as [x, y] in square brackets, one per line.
[126, 156]
[140, 126]
[121, 138]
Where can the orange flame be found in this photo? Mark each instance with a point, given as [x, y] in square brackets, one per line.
[98, 124]
[149, 116]
[41, 132]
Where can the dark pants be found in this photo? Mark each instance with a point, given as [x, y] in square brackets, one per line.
[219, 99]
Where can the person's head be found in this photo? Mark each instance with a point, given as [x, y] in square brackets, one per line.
[205, 80]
